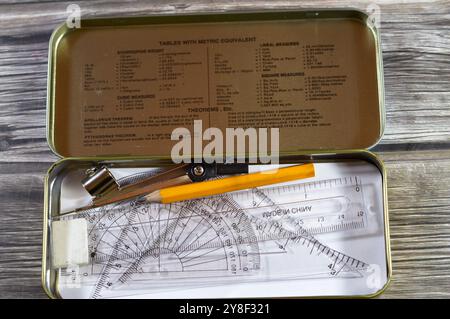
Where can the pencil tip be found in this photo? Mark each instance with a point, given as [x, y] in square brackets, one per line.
[153, 197]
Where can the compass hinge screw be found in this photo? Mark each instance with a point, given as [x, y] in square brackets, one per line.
[198, 170]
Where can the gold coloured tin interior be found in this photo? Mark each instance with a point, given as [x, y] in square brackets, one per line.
[118, 87]
[57, 172]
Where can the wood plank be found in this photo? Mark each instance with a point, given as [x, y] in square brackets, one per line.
[21, 204]
[415, 41]
[419, 214]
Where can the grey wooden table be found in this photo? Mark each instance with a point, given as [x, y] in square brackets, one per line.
[416, 145]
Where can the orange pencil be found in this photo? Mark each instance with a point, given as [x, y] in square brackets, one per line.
[230, 184]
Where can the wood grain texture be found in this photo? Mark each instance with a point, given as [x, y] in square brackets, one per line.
[419, 215]
[416, 147]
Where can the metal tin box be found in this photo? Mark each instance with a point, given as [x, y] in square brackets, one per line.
[118, 87]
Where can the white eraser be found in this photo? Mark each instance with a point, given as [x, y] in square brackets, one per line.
[69, 243]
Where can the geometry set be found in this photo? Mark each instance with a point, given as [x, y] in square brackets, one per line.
[123, 220]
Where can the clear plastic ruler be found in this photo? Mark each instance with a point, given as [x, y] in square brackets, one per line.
[324, 234]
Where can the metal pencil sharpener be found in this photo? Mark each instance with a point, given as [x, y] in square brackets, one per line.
[99, 182]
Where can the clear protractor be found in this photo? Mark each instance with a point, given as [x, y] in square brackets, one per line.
[183, 242]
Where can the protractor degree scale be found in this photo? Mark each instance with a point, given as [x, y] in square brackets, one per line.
[175, 248]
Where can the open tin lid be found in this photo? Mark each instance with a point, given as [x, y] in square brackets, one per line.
[119, 87]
